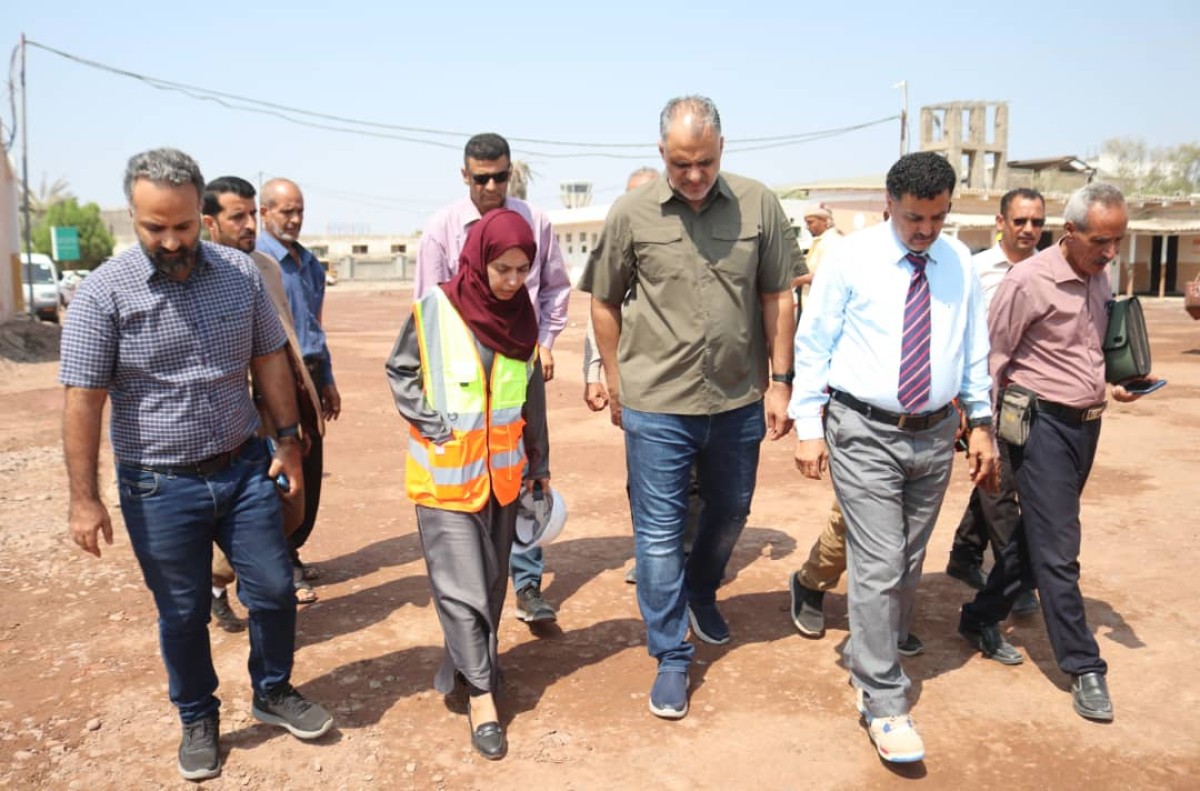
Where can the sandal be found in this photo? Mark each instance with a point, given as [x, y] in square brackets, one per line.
[304, 592]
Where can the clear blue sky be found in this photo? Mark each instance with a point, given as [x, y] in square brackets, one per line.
[1073, 74]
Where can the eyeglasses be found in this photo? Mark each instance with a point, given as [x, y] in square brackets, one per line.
[1036, 222]
[483, 178]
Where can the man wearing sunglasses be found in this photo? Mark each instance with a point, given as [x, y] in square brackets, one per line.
[487, 166]
[993, 517]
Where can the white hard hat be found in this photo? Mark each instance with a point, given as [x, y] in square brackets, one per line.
[539, 520]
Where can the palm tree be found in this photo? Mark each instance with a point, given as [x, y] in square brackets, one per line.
[41, 199]
[518, 182]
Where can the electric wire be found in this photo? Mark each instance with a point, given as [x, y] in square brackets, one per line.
[391, 131]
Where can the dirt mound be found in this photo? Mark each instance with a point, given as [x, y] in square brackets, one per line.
[27, 340]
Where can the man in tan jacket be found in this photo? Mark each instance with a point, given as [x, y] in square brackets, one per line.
[231, 219]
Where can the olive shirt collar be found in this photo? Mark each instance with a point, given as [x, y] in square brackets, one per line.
[665, 193]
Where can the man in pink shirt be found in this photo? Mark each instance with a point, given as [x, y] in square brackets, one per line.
[1046, 325]
[487, 166]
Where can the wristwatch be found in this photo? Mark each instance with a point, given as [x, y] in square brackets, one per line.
[289, 432]
[786, 378]
[978, 422]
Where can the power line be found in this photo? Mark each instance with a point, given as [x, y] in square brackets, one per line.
[389, 131]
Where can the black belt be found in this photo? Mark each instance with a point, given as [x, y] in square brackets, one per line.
[1072, 414]
[918, 422]
[201, 469]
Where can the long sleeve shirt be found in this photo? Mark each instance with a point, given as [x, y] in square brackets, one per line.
[850, 332]
[404, 376]
[548, 283]
[1047, 325]
[304, 283]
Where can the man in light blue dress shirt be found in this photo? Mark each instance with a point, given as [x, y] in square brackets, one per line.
[891, 464]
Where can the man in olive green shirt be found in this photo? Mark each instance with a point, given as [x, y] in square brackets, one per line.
[692, 308]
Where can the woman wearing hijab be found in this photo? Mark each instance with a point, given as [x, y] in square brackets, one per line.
[466, 377]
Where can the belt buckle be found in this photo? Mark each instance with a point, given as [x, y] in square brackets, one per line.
[1093, 413]
[902, 421]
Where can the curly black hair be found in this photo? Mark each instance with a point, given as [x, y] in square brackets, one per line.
[923, 175]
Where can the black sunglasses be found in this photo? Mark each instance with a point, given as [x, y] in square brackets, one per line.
[1036, 222]
[483, 178]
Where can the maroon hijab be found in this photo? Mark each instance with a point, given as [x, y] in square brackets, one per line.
[505, 326]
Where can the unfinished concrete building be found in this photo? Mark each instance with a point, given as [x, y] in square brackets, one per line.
[979, 157]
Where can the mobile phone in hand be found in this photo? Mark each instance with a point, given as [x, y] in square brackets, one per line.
[1143, 387]
[281, 480]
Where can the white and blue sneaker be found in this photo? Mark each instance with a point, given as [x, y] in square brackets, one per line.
[668, 696]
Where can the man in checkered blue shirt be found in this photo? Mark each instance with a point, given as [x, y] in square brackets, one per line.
[169, 331]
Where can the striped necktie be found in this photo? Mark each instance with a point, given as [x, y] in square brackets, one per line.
[913, 390]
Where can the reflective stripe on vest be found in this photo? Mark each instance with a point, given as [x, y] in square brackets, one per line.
[486, 454]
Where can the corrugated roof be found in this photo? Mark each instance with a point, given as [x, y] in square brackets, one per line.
[1165, 225]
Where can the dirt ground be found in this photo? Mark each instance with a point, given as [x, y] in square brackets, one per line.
[83, 699]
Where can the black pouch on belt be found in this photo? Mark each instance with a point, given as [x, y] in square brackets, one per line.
[1016, 412]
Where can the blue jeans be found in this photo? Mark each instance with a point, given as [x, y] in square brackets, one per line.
[526, 568]
[660, 450]
[173, 521]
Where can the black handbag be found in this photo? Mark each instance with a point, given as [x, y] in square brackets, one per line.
[1126, 342]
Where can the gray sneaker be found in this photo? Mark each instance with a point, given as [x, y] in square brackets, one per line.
[808, 614]
[532, 608]
[911, 646]
[200, 749]
[287, 708]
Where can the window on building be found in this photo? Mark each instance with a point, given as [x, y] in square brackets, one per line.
[568, 236]
[319, 250]
[358, 249]
[399, 248]
[570, 249]
[583, 248]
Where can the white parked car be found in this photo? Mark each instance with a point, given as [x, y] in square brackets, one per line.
[43, 272]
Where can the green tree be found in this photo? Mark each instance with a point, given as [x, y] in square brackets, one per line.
[1169, 170]
[95, 242]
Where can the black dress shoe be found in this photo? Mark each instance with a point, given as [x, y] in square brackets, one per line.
[992, 644]
[967, 572]
[1026, 603]
[488, 740]
[1089, 693]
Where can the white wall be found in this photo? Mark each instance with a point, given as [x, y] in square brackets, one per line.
[10, 242]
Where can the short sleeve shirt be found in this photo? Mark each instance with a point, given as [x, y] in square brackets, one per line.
[173, 355]
[692, 339]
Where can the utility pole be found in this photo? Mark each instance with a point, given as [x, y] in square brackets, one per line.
[903, 86]
[25, 179]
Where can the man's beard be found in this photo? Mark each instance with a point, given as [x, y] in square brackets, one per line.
[172, 264]
[282, 235]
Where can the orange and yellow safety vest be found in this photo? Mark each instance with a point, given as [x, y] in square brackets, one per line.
[486, 454]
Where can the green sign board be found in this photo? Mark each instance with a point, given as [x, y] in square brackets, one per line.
[64, 243]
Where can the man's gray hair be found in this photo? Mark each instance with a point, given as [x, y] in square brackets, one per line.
[644, 171]
[1082, 200]
[163, 166]
[704, 114]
